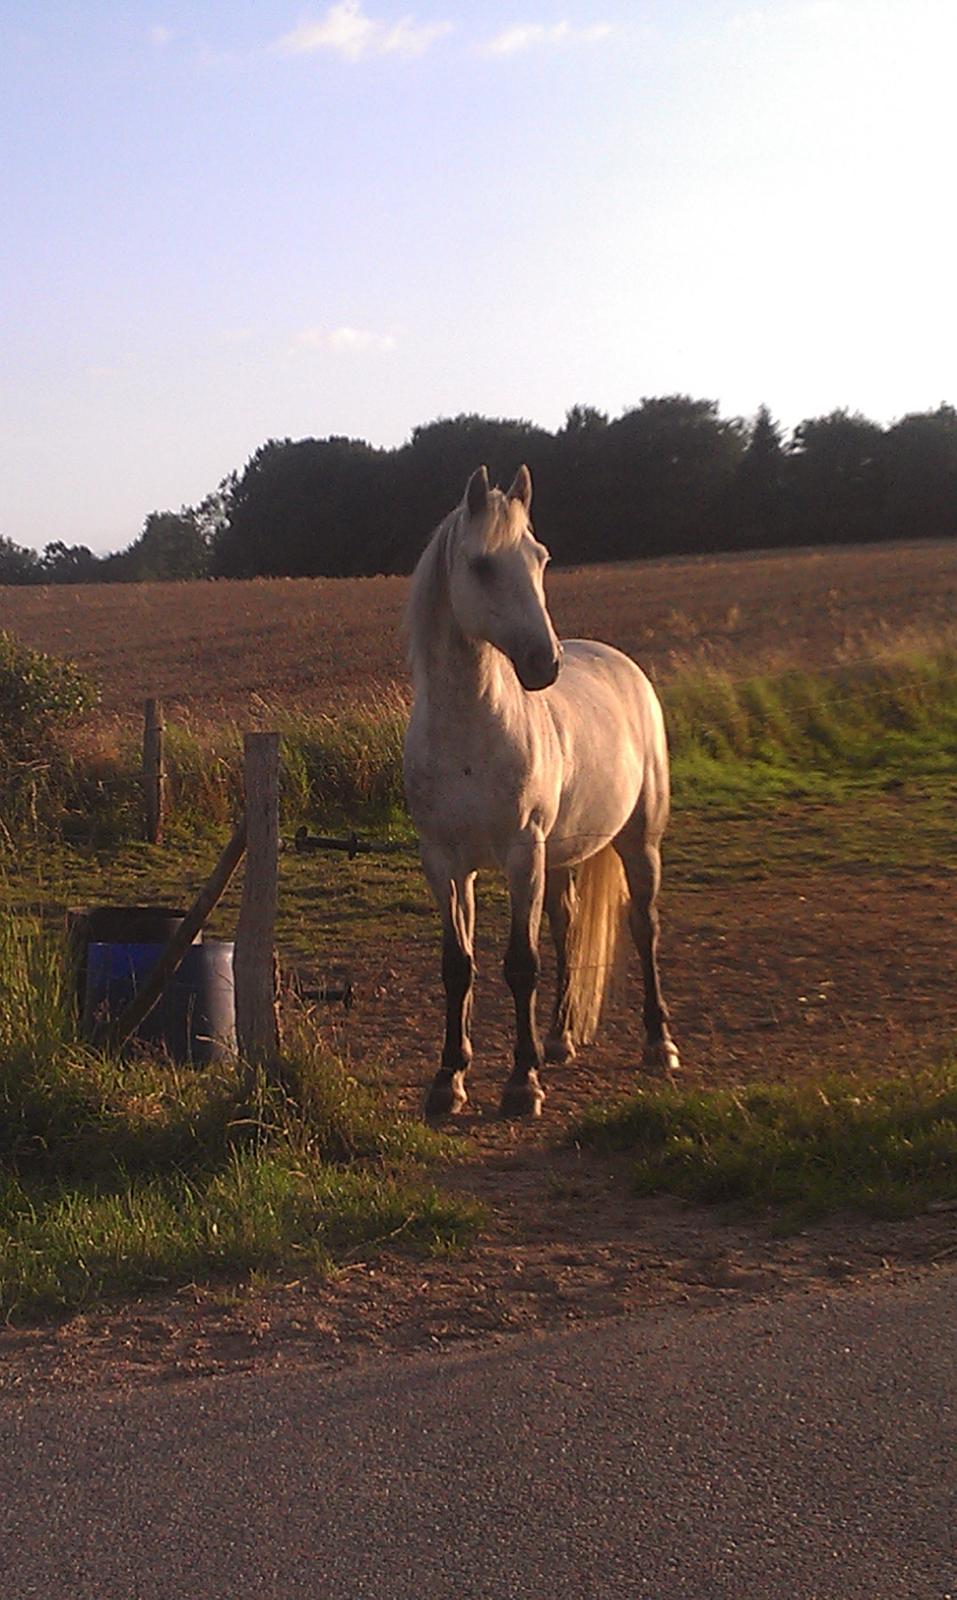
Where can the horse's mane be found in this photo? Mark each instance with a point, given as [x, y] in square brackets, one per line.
[429, 587]
[427, 592]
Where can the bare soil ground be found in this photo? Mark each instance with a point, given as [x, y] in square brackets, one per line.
[775, 979]
[314, 643]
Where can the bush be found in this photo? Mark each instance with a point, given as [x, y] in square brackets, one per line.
[39, 696]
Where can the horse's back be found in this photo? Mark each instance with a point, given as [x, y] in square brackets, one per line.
[599, 681]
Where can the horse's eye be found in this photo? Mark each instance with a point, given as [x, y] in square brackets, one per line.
[483, 567]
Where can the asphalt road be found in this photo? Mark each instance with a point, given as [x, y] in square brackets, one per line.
[804, 1448]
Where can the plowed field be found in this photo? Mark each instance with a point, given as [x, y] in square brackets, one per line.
[314, 643]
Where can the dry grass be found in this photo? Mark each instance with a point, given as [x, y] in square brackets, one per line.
[314, 645]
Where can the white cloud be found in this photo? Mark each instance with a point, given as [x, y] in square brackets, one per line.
[407, 38]
[350, 340]
[348, 31]
[159, 36]
[526, 35]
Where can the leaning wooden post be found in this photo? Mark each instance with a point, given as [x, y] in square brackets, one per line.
[172, 954]
[254, 962]
[154, 772]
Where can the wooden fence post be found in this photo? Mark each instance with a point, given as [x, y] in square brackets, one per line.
[154, 772]
[254, 962]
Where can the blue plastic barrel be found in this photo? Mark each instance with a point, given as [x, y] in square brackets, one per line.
[194, 1020]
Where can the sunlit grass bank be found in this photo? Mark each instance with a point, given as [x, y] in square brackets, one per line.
[121, 1177]
[800, 732]
[337, 768]
[756, 737]
[885, 1146]
[772, 774]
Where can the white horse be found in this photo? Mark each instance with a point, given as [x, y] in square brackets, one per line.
[547, 761]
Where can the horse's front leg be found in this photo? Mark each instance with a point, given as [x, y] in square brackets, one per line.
[525, 868]
[455, 895]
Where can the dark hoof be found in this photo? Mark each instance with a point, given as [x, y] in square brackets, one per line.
[447, 1096]
[661, 1060]
[523, 1098]
[559, 1049]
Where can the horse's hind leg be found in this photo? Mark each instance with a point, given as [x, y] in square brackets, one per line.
[523, 1094]
[560, 908]
[456, 900]
[642, 863]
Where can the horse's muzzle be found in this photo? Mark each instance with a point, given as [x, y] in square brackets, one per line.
[538, 668]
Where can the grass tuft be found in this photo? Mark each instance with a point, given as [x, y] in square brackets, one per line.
[796, 733]
[886, 1146]
[117, 1177]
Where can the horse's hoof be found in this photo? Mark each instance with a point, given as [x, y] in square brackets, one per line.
[661, 1059]
[559, 1049]
[523, 1099]
[447, 1096]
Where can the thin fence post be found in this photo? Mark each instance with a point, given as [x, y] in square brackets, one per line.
[254, 960]
[154, 771]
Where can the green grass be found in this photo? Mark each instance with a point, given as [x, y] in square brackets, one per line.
[342, 769]
[885, 1146]
[816, 736]
[118, 1177]
[759, 740]
[66, 1245]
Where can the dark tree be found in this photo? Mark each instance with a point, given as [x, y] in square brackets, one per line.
[670, 476]
[171, 547]
[318, 506]
[577, 502]
[69, 563]
[17, 563]
[919, 455]
[667, 468]
[754, 513]
[834, 479]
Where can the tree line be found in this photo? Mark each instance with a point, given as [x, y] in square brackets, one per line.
[668, 477]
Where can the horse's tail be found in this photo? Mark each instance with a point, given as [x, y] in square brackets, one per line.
[594, 942]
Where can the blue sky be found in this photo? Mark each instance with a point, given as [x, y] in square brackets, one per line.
[225, 222]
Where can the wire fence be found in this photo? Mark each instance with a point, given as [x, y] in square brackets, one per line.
[944, 672]
[698, 733]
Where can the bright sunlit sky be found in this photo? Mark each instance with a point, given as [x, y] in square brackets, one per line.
[225, 221]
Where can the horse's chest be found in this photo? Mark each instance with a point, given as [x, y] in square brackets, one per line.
[468, 787]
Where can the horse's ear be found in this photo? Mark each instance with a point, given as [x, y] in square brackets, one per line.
[476, 493]
[522, 487]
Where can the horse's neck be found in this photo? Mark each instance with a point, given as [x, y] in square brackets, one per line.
[460, 674]
[463, 683]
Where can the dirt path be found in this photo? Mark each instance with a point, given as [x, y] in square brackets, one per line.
[766, 981]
